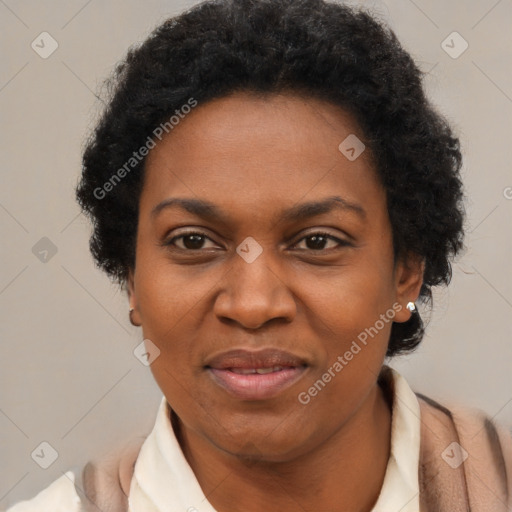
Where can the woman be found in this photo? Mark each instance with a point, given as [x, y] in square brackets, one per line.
[275, 193]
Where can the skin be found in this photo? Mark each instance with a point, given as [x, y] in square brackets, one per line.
[254, 157]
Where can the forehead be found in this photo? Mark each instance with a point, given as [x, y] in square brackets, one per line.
[260, 151]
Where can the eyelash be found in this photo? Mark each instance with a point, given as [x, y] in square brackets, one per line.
[341, 243]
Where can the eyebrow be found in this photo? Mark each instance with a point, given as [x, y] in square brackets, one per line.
[210, 211]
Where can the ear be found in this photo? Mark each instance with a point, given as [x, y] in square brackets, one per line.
[132, 297]
[408, 280]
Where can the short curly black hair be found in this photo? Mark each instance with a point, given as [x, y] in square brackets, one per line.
[334, 52]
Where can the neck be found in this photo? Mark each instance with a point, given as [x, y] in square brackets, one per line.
[346, 472]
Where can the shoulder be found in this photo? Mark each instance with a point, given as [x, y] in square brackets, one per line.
[59, 496]
[106, 481]
[102, 484]
[464, 450]
[475, 427]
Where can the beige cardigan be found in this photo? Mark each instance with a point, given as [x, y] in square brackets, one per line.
[482, 483]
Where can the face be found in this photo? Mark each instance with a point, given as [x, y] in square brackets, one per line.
[264, 255]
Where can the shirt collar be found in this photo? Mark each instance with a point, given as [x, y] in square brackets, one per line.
[400, 490]
[163, 478]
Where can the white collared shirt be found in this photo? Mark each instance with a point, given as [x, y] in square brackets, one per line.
[163, 479]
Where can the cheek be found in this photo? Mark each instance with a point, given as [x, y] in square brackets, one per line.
[168, 293]
[354, 343]
[352, 314]
[348, 299]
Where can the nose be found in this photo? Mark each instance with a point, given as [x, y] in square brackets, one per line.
[253, 294]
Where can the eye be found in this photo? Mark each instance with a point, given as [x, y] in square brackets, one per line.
[191, 241]
[318, 241]
[196, 241]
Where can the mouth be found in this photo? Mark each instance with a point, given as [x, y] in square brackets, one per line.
[261, 375]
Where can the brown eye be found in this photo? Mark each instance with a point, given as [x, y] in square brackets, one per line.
[189, 241]
[316, 242]
[193, 241]
[319, 242]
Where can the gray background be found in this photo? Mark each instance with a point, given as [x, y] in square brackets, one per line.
[68, 375]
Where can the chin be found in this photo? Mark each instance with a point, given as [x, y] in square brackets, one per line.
[257, 446]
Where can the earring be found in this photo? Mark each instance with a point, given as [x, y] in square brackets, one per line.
[411, 307]
[131, 310]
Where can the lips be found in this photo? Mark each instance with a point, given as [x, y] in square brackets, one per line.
[259, 371]
[247, 359]
[255, 375]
